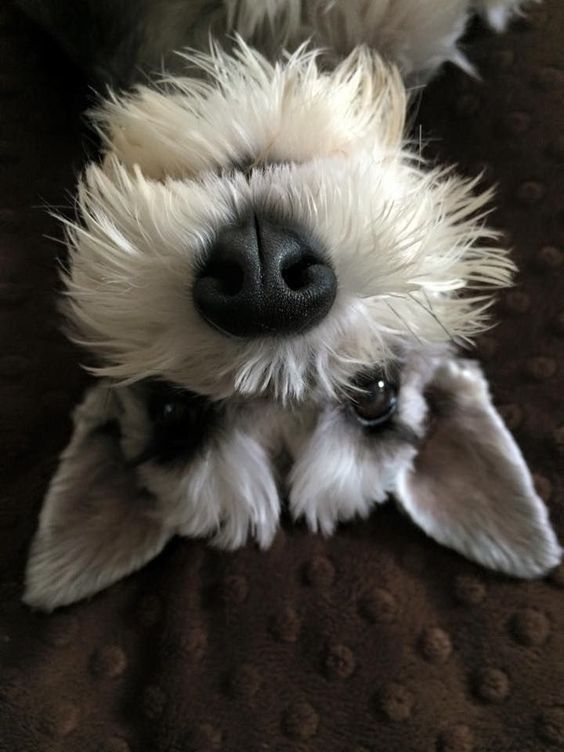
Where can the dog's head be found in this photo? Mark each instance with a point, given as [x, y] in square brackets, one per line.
[266, 231]
[263, 239]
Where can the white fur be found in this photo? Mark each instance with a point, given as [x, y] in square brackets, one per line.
[417, 35]
[339, 477]
[404, 241]
[229, 493]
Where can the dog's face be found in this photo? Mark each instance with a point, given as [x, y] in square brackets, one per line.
[263, 242]
[267, 232]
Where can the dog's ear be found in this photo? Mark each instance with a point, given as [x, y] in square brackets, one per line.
[96, 525]
[469, 487]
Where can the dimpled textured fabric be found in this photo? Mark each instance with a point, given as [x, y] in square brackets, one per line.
[376, 640]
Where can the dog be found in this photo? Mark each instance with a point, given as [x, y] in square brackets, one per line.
[275, 287]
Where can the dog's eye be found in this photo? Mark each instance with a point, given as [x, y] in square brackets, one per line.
[170, 410]
[167, 404]
[376, 404]
[174, 411]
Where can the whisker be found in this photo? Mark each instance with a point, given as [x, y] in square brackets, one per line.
[403, 321]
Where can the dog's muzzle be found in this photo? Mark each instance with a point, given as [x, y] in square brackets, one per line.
[263, 278]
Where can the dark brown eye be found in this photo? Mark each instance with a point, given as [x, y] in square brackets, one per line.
[376, 404]
[171, 410]
[167, 404]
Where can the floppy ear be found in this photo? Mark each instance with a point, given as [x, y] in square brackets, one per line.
[469, 487]
[96, 525]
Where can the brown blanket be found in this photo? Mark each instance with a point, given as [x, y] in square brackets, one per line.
[376, 640]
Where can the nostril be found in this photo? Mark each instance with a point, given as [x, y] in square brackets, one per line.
[298, 275]
[228, 277]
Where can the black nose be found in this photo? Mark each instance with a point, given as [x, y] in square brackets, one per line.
[262, 278]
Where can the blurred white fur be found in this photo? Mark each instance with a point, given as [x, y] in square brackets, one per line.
[418, 36]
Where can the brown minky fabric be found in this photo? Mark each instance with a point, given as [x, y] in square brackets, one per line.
[376, 640]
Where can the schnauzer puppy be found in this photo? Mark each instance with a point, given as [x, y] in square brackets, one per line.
[274, 284]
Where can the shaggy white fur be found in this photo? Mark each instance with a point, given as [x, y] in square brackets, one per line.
[404, 241]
